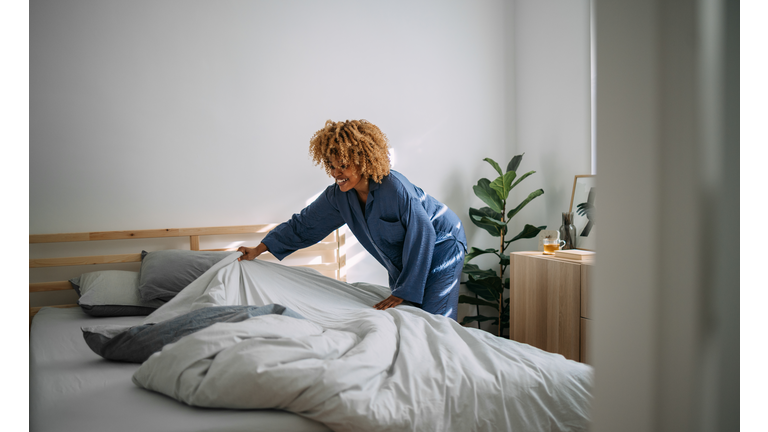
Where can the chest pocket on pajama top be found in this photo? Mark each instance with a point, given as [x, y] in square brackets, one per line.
[390, 237]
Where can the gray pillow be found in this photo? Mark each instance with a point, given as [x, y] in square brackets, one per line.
[136, 344]
[111, 293]
[164, 273]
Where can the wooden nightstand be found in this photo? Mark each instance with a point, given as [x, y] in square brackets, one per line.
[549, 303]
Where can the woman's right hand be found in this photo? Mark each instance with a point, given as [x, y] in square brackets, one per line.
[251, 253]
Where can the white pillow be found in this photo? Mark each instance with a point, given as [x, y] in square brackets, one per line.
[112, 293]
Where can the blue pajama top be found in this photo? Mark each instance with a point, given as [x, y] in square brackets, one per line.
[400, 228]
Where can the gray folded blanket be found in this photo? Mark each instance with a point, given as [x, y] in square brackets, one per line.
[136, 344]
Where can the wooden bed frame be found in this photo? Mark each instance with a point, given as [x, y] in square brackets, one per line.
[334, 242]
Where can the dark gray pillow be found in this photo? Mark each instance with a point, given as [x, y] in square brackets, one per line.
[110, 293]
[136, 344]
[164, 273]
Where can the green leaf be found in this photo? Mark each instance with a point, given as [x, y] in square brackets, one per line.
[503, 184]
[529, 231]
[479, 318]
[475, 252]
[486, 220]
[476, 216]
[488, 288]
[514, 163]
[524, 176]
[477, 273]
[504, 260]
[494, 165]
[525, 202]
[484, 191]
[476, 301]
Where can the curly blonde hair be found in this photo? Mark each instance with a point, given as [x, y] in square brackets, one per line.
[353, 142]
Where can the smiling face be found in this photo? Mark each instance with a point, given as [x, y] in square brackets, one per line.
[346, 176]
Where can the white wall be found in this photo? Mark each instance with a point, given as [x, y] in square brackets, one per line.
[552, 106]
[149, 114]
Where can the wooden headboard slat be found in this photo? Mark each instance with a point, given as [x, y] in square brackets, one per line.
[50, 286]
[86, 260]
[242, 229]
[126, 235]
[155, 233]
[56, 238]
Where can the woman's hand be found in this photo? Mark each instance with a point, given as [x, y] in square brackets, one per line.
[251, 253]
[387, 303]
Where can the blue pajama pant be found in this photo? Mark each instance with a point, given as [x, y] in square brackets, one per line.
[441, 292]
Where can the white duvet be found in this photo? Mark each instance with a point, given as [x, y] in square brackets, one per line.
[354, 368]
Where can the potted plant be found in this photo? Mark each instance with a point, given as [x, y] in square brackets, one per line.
[488, 285]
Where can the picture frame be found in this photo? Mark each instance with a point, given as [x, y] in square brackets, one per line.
[583, 207]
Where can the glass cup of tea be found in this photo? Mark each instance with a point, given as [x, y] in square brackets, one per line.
[552, 244]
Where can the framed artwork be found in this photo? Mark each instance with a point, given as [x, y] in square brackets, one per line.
[583, 206]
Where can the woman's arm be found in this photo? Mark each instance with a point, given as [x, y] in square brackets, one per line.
[313, 224]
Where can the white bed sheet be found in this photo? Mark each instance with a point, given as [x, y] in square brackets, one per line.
[73, 389]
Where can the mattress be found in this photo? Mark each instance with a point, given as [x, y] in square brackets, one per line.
[72, 388]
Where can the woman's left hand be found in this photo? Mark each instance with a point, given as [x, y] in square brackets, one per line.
[387, 303]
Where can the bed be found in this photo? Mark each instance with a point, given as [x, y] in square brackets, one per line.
[326, 360]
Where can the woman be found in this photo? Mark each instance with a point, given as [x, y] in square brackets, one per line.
[419, 240]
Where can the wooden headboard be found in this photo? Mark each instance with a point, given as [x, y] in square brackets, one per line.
[325, 256]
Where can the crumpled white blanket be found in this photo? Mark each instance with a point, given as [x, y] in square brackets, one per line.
[354, 368]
